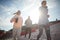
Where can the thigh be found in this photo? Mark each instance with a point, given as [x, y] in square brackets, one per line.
[14, 32]
[19, 32]
[47, 30]
[29, 28]
[26, 30]
[40, 28]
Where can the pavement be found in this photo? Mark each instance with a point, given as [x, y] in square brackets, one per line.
[33, 36]
[54, 30]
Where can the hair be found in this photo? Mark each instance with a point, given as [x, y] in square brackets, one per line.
[43, 2]
[18, 12]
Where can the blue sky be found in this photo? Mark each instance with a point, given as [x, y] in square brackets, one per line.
[28, 8]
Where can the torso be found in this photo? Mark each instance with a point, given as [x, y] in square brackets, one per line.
[43, 19]
[19, 23]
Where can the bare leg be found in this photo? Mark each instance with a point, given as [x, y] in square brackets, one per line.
[26, 32]
[14, 34]
[40, 33]
[29, 33]
[47, 30]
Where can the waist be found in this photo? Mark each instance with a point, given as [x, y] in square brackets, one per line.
[16, 27]
[28, 25]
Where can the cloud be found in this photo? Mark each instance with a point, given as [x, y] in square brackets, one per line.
[28, 7]
[51, 3]
[1, 21]
[5, 8]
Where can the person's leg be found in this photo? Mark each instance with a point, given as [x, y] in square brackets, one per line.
[29, 33]
[48, 33]
[40, 33]
[14, 34]
[18, 34]
[26, 32]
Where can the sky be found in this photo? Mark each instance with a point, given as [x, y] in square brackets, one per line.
[27, 8]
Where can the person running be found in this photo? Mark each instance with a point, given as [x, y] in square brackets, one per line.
[43, 21]
[17, 24]
[28, 24]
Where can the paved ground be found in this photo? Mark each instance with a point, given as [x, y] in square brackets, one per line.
[33, 36]
[55, 34]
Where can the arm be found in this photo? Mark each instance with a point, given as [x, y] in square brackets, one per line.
[12, 20]
[48, 14]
